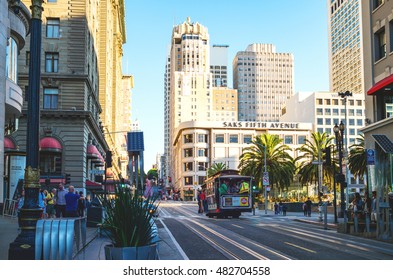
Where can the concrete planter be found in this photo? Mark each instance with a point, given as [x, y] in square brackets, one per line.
[148, 252]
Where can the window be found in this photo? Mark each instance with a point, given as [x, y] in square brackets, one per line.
[188, 138]
[53, 28]
[27, 62]
[327, 111]
[219, 138]
[52, 1]
[380, 44]
[335, 102]
[359, 112]
[319, 101]
[202, 138]
[327, 101]
[335, 112]
[188, 152]
[12, 60]
[203, 166]
[301, 139]
[201, 180]
[51, 96]
[202, 152]
[377, 3]
[319, 121]
[328, 121]
[359, 122]
[233, 138]
[351, 131]
[288, 139]
[50, 163]
[188, 180]
[351, 122]
[319, 111]
[188, 166]
[51, 62]
[247, 139]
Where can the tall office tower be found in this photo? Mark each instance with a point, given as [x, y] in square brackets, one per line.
[167, 93]
[264, 81]
[345, 47]
[190, 78]
[219, 65]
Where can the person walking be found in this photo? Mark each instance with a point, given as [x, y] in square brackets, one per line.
[61, 202]
[81, 204]
[71, 199]
[308, 206]
[42, 202]
[50, 204]
[204, 201]
[374, 207]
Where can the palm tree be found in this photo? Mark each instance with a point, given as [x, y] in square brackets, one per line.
[311, 151]
[279, 163]
[358, 158]
[216, 167]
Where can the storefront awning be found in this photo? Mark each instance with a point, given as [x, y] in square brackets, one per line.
[383, 85]
[92, 152]
[50, 144]
[93, 186]
[8, 144]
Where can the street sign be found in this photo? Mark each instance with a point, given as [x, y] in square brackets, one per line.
[370, 157]
[97, 172]
[266, 179]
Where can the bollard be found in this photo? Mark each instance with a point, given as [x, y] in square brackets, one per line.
[325, 215]
[355, 221]
[320, 213]
[367, 222]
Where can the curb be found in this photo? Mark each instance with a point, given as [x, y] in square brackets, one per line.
[330, 225]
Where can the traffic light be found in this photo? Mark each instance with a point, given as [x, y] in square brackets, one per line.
[328, 157]
[68, 178]
[254, 189]
[108, 159]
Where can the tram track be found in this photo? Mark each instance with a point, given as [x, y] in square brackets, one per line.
[231, 245]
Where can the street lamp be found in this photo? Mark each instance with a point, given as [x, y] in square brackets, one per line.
[23, 248]
[265, 178]
[340, 177]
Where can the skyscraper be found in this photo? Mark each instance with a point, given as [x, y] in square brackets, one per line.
[188, 95]
[264, 80]
[345, 48]
[219, 65]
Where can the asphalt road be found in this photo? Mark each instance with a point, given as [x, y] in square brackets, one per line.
[263, 237]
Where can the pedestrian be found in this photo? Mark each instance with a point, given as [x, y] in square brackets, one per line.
[358, 205]
[71, 199]
[308, 206]
[374, 207]
[60, 201]
[275, 208]
[305, 209]
[284, 209]
[199, 199]
[42, 202]
[21, 201]
[280, 207]
[367, 205]
[204, 202]
[81, 204]
[50, 204]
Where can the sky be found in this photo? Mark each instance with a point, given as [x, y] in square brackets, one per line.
[293, 26]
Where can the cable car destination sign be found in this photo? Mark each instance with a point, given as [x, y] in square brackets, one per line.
[270, 125]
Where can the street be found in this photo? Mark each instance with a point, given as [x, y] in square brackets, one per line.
[260, 237]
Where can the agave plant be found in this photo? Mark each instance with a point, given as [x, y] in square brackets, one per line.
[129, 220]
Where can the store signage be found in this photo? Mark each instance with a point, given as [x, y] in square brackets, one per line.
[271, 125]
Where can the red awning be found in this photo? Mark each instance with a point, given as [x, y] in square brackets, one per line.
[90, 185]
[92, 151]
[8, 144]
[385, 84]
[50, 144]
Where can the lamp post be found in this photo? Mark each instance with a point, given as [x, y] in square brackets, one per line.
[23, 248]
[344, 96]
[340, 178]
[265, 178]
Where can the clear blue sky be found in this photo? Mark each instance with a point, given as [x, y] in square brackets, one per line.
[298, 27]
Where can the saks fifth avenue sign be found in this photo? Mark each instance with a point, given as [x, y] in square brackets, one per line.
[268, 125]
